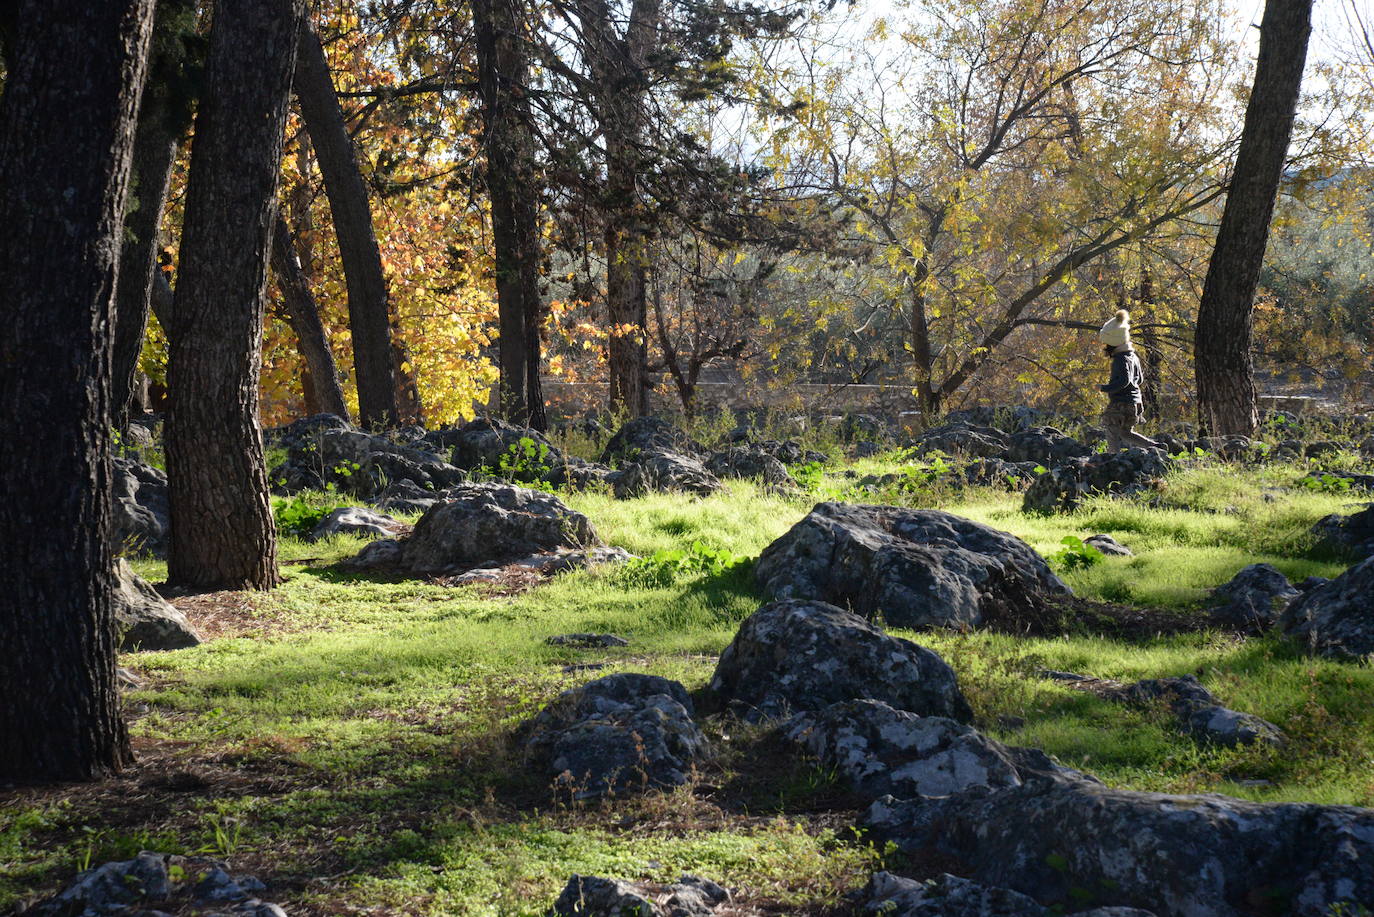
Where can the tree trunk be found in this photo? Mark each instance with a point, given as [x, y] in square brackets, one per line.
[67, 119]
[223, 536]
[374, 368]
[155, 146]
[1153, 358]
[618, 67]
[1222, 344]
[304, 318]
[513, 181]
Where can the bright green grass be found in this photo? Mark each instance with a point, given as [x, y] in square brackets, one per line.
[383, 710]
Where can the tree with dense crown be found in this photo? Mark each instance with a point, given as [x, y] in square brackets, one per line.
[74, 72]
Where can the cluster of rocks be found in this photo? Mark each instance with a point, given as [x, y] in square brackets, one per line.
[1016, 821]
[1327, 617]
[918, 568]
[950, 896]
[154, 884]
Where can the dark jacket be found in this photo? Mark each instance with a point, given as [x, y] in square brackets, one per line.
[1127, 376]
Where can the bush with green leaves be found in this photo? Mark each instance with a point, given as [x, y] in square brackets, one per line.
[1076, 554]
[300, 514]
[668, 566]
[525, 460]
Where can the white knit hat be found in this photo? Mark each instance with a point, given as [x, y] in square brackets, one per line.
[1117, 330]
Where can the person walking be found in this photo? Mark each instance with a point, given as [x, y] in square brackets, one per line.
[1125, 408]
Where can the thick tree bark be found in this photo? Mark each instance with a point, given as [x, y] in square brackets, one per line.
[322, 374]
[619, 68]
[1222, 344]
[223, 536]
[374, 367]
[67, 116]
[512, 184]
[155, 146]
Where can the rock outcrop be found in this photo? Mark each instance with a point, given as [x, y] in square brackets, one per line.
[917, 568]
[1056, 837]
[1062, 488]
[1336, 619]
[1252, 600]
[621, 733]
[796, 655]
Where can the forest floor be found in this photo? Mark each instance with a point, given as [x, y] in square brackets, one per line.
[347, 739]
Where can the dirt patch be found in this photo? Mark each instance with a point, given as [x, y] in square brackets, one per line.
[233, 614]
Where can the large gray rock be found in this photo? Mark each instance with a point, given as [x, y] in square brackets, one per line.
[356, 520]
[796, 655]
[749, 462]
[406, 497]
[1351, 535]
[665, 471]
[621, 733]
[1253, 599]
[963, 439]
[476, 523]
[145, 620]
[594, 896]
[483, 444]
[1062, 488]
[1336, 619]
[644, 435]
[1044, 446]
[951, 896]
[141, 519]
[883, 751]
[918, 568]
[1179, 856]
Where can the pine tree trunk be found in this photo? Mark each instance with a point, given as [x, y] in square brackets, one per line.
[1222, 361]
[155, 146]
[67, 119]
[223, 536]
[374, 368]
[513, 180]
[619, 67]
[304, 317]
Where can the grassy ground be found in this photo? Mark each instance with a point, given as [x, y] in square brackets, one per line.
[347, 739]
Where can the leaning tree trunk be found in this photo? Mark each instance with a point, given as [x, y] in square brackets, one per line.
[374, 368]
[1222, 344]
[513, 183]
[223, 535]
[74, 75]
[304, 317]
[155, 146]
